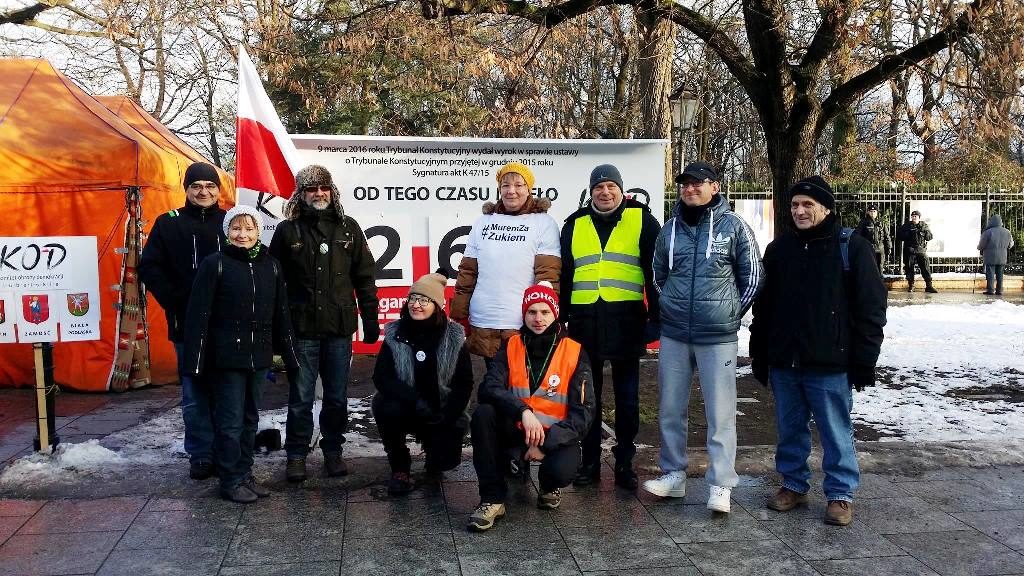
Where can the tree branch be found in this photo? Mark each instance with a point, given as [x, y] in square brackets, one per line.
[28, 14]
[847, 93]
[826, 38]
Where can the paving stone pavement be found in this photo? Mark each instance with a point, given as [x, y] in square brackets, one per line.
[960, 521]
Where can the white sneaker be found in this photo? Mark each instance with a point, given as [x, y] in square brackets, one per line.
[719, 499]
[671, 485]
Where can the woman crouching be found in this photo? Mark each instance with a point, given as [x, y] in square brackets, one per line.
[424, 378]
[237, 315]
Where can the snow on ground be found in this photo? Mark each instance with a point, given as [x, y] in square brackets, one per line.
[935, 357]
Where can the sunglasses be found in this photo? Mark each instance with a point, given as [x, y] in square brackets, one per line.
[312, 189]
[693, 183]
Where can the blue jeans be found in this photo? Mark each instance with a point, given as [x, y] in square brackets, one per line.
[799, 395]
[196, 411]
[716, 364]
[238, 394]
[330, 358]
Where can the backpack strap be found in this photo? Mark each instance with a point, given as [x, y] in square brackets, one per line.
[844, 247]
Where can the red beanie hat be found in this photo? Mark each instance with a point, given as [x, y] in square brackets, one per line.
[543, 293]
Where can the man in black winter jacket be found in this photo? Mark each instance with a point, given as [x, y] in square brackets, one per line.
[612, 324]
[876, 233]
[915, 236]
[327, 266]
[817, 333]
[178, 242]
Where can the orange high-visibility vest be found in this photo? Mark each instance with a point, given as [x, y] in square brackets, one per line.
[550, 402]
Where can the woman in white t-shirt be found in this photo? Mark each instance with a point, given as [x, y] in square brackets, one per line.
[513, 246]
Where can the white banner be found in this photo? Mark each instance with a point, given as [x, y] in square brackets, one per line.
[451, 178]
[955, 226]
[49, 289]
[760, 216]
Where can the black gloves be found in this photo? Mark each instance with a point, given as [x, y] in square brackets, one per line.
[760, 370]
[652, 331]
[371, 329]
[861, 377]
[426, 414]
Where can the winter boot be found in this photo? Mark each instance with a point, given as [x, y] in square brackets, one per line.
[200, 469]
[549, 500]
[400, 483]
[839, 513]
[255, 488]
[786, 499]
[626, 478]
[588, 474]
[295, 469]
[240, 494]
[334, 464]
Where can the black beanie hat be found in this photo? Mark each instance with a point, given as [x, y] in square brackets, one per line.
[605, 173]
[817, 188]
[201, 171]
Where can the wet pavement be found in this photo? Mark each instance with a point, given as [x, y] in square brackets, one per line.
[949, 521]
[922, 508]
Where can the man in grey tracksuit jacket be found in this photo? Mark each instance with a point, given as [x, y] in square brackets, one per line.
[707, 267]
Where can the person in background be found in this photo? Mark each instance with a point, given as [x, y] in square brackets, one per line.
[328, 267]
[875, 232]
[536, 404]
[237, 317]
[607, 250]
[915, 236]
[178, 242]
[994, 244]
[511, 247]
[424, 378]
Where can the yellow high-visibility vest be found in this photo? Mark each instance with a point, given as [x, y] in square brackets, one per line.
[613, 274]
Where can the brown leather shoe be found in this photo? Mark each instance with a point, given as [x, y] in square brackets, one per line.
[786, 499]
[839, 512]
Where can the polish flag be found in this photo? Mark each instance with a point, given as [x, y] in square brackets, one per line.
[266, 159]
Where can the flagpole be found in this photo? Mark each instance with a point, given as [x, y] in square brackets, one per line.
[47, 438]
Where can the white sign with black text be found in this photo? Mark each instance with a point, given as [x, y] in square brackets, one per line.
[49, 289]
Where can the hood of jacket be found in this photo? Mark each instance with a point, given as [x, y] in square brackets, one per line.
[995, 221]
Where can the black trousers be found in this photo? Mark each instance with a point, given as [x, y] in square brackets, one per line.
[909, 258]
[442, 444]
[626, 383]
[880, 261]
[496, 440]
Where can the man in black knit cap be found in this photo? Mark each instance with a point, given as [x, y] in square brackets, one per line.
[178, 242]
[815, 336]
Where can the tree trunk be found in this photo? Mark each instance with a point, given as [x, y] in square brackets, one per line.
[791, 158]
[654, 70]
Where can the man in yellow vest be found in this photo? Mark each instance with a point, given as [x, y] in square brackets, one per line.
[607, 250]
[535, 404]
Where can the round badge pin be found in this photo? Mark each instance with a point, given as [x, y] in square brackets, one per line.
[421, 355]
[323, 248]
[554, 381]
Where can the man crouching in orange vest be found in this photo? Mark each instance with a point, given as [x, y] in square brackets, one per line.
[535, 405]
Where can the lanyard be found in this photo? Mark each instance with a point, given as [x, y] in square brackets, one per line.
[543, 367]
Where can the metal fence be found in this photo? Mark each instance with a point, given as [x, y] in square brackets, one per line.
[893, 202]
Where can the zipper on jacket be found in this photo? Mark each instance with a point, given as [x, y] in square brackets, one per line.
[252, 330]
[195, 252]
[199, 359]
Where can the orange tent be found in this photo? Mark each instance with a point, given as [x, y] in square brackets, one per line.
[68, 162]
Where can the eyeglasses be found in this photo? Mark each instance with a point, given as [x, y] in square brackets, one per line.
[209, 187]
[417, 300]
[312, 189]
[693, 183]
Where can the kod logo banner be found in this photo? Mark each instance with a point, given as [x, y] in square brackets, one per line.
[47, 285]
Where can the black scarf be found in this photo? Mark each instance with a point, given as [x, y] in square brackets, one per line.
[692, 214]
[539, 349]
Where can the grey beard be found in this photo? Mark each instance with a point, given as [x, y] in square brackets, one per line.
[321, 204]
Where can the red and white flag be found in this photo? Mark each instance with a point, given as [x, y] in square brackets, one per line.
[266, 159]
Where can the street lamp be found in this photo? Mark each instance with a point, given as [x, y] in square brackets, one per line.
[683, 104]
